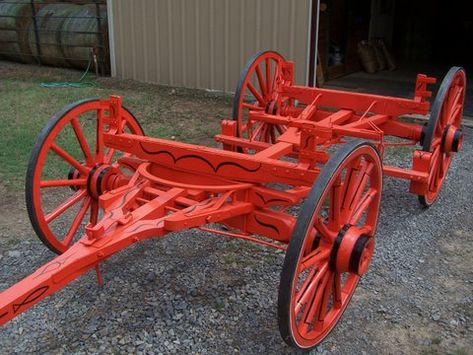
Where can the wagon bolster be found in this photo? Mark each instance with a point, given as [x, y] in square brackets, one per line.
[211, 161]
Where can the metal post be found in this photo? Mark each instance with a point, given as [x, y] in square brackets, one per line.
[36, 32]
[101, 51]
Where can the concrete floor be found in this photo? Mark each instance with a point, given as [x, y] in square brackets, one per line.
[398, 83]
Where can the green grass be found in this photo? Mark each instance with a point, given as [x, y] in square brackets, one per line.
[25, 107]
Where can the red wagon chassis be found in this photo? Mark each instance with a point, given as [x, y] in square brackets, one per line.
[278, 152]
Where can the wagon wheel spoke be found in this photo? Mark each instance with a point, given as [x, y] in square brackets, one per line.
[82, 141]
[355, 183]
[77, 222]
[256, 94]
[308, 315]
[363, 205]
[455, 101]
[261, 81]
[272, 134]
[252, 106]
[267, 137]
[321, 310]
[277, 72]
[63, 207]
[269, 82]
[335, 205]
[62, 183]
[109, 156]
[337, 290]
[100, 147]
[314, 258]
[323, 229]
[280, 129]
[69, 158]
[256, 134]
[308, 290]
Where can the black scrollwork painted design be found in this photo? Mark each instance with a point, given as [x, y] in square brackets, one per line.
[267, 225]
[54, 265]
[197, 157]
[270, 200]
[32, 297]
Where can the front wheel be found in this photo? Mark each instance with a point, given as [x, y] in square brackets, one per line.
[70, 167]
[331, 245]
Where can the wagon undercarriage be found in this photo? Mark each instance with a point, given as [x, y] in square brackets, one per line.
[286, 145]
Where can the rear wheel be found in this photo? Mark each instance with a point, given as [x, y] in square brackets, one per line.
[331, 245]
[443, 136]
[69, 168]
[258, 90]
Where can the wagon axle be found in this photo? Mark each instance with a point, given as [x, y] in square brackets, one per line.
[277, 159]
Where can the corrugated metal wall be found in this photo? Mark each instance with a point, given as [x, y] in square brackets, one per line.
[204, 43]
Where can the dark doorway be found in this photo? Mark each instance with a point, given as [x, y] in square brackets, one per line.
[424, 37]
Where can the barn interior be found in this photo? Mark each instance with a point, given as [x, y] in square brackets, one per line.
[422, 36]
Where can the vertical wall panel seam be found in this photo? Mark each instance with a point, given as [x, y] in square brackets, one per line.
[258, 26]
[145, 42]
[157, 64]
[242, 34]
[212, 44]
[133, 33]
[171, 47]
[275, 24]
[292, 29]
[184, 43]
[226, 44]
[197, 40]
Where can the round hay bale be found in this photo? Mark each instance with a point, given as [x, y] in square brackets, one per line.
[50, 19]
[80, 33]
[16, 17]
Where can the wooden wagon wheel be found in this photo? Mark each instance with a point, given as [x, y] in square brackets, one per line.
[258, 90]
[442, 135]
[331, 245]
[69, 168]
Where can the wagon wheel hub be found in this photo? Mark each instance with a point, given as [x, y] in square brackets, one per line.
[101, 178]
[271, 107]
[452, 139]
[352, 251]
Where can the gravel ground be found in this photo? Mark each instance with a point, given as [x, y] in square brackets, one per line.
[196, 293]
